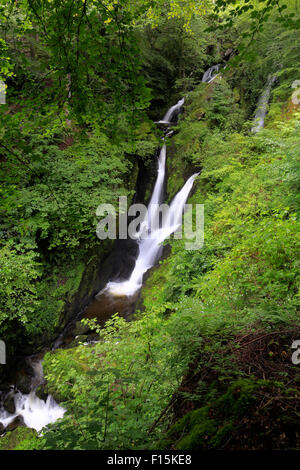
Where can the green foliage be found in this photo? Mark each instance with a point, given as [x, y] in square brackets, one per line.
[115, 389]
[201, 431]
[48, 213]
[71, 136]
[211, 426]
[81, 177]
[18, 296]
[19, 439]
[257, 13]
[249, 186]
[243, 279]
[175, 60]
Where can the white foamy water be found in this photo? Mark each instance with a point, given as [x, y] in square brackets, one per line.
[168, 117]
[210, 74]
[36, 413]
[172, 113]
[150, 247]
[262, 105]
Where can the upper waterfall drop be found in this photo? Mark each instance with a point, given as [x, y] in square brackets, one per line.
[209, 75]
[262, 105]
[172, 113]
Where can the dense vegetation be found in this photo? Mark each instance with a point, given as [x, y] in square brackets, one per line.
[206, 363]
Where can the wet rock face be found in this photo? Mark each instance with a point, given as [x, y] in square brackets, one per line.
[9, 402]
[21, 375]
[17, 421]
[145, 180]
[2, 429]
[42, 392]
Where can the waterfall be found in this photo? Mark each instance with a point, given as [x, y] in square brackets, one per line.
[36, 413]
[171, 115]
[173, 111]
[156, 197]
[262, 105]
[150, 246]
[210, 74]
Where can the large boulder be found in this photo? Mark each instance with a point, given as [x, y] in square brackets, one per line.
[15, 423]
[11, 440]
[9, 402]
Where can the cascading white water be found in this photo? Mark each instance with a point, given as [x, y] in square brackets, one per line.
[172, 113]
[35, 412]
[210, 74]
[156, 197]
[150, 246]
[262, 105]
[169, 116]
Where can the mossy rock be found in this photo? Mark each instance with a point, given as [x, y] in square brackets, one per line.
[210, 425]
[11, 440]
[153, 289]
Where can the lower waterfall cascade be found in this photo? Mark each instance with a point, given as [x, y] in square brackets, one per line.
[210, 74]
[35, 412]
